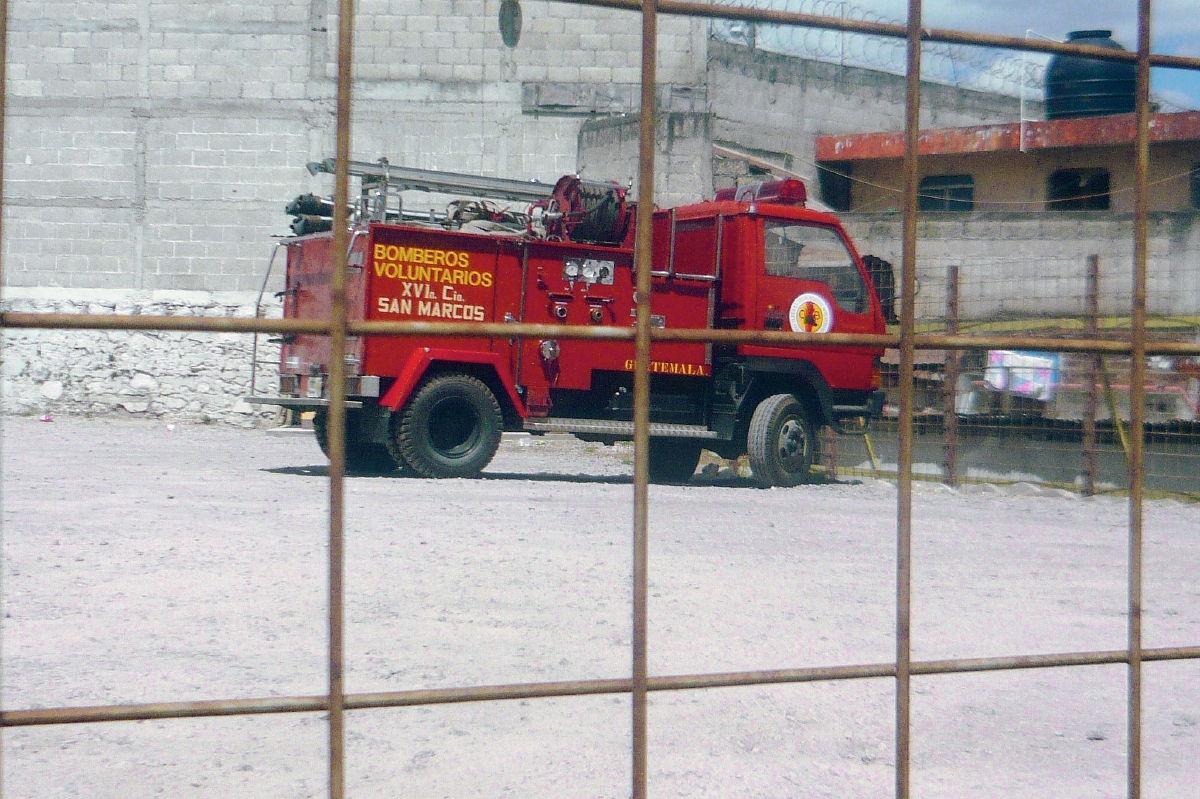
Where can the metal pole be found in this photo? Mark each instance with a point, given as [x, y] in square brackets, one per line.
[1137, 398]
[641, 390]
[3, 116]
[1093, 378]
[908, 291]
[337, 401]
[950, 382]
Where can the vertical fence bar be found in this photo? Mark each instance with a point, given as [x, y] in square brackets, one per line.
[1137, 397]
[950, 383]
[337, 401]
[641, 390]
[831, 454]
[1092, 401]
[3, 153]
[908, 292]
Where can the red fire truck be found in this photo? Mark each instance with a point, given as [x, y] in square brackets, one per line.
[753, 258]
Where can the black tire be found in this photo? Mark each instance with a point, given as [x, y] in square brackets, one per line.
[673, 460]
[361, 457]
[781, 443]
[450, 427]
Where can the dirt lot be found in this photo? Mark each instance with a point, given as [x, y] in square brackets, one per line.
[143, 563]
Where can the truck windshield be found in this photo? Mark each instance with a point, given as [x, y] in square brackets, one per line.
[807, 252]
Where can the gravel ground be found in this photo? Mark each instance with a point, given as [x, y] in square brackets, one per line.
[147, 563]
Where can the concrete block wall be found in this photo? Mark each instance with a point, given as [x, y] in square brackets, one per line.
[444, 41]
[150, 143]
[608, 150]
[766, 101]
[1033, 265]
[773, 107]
[153, 143]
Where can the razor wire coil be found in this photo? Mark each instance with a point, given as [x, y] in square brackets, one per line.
[974, 68]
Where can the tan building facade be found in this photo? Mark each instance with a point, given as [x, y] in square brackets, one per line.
[1068, 165]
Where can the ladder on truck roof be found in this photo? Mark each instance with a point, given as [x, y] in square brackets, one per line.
[403, 178]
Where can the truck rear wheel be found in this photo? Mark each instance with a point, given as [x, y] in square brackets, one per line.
[781, 444]
[673, 460]
[450, 427]
[361, 456]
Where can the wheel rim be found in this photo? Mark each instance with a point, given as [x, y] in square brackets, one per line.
[454, 427]
[793, 445]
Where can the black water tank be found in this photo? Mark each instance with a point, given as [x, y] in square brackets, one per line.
[1084, 87]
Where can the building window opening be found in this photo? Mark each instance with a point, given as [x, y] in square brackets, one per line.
[1194, 183]
[1078, 190]
[835, 185]
[946, 193]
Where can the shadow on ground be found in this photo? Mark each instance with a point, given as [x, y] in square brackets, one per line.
[543, 477]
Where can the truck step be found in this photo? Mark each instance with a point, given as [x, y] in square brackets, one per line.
[296, 402]
[606, 427]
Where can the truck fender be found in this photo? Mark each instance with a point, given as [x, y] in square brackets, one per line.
[806, 371]
[421, 359]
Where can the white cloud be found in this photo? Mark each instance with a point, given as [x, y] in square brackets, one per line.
[1181, 99]
[1191, 49]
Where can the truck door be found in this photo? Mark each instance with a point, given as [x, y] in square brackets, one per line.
[811, 283]
[686, 264]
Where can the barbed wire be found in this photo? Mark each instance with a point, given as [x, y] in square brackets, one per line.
[977, 68]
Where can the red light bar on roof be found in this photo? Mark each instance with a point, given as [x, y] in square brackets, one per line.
[781, 192]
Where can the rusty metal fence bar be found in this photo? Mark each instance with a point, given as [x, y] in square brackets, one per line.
[337, 404]
[3, 152]
[1137, 399]
[338, 327]
[921, 341]
[641, 400]
[908, 292]
[544, 690]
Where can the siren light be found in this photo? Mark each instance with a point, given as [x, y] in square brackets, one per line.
[791, 191]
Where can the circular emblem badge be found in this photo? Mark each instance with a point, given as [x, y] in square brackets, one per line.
[811, 313]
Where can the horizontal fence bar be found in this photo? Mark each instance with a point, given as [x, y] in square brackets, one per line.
[196, 324]
[546, 690]
[890, 30]
[487, 693]
[923, 341]
[162, 710]
[942, 341]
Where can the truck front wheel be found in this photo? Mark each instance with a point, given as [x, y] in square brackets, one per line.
[450, 427]
[781, 444]
[361, 456]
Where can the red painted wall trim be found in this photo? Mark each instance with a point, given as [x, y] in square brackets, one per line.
[1085, 132]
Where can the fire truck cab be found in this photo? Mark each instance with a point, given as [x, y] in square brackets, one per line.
[752, 258]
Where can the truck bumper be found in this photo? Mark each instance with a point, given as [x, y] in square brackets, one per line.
[871, 409]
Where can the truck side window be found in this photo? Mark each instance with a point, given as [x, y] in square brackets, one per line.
[818, 254]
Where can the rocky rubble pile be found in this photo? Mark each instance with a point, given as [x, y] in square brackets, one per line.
[186, 376]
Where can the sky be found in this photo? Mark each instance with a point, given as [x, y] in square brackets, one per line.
[1175, 28]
